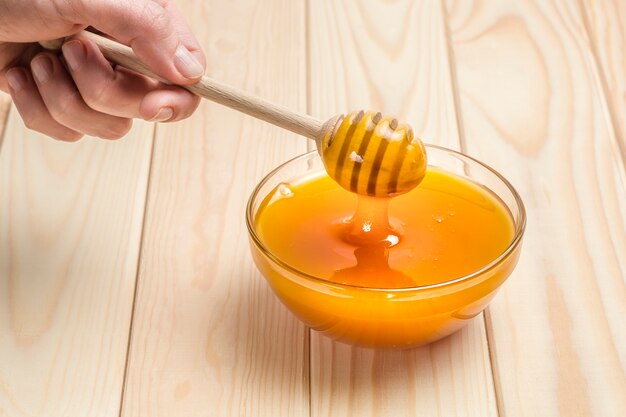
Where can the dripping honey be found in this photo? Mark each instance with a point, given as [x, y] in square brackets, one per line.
[445, 228]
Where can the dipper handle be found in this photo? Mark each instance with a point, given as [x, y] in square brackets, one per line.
[364, 152]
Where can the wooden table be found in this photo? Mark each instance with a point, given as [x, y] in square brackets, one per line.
[127, 288]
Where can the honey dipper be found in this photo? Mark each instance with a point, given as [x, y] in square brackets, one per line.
[365, 152]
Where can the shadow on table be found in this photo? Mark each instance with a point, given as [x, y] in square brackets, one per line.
[423, 378]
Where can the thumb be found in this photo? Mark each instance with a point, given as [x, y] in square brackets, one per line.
[154, 30]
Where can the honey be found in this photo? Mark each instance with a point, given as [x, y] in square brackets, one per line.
[386, 272]
[444, 229]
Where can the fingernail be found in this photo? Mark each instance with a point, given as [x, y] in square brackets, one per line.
[187, 63]
[42, 68]
[163, 115]
[74, 53]
[16, 79]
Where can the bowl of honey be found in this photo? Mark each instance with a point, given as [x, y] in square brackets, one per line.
[386, 272]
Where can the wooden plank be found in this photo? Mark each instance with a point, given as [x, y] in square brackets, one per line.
[533, 108]
[606, 23]
[70, 225]
[5, 105]
[208, 336]
[392, 57]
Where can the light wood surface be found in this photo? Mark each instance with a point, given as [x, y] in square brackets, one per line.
[533, 107]
[5, 105]
[606, 25]
[208, 336]
[70, 224]
[126, 284]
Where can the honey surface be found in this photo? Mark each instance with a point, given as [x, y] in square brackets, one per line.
[445, 228]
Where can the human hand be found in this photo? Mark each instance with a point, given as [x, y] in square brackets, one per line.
[78, 92]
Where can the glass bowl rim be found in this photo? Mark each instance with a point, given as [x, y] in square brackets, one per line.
[520, 226]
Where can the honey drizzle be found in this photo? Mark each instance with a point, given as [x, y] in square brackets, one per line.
[370, 226]
[445, 228]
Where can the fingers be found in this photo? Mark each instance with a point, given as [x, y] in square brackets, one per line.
[32, 109]
[184, 31]
[95, 99]
[121, 92]
[103, 88]
[168, 104]
[65, 104]
[156, 33]
[15, 55]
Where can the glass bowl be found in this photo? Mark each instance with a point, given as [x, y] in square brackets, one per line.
[388, 317]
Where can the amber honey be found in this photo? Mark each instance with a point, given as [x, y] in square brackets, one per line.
[386, 272]
[445, 228]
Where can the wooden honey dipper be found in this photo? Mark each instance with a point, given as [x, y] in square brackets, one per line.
[364, 152]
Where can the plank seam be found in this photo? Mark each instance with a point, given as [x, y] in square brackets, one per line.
[307, 361]
[456, 98]
[139, 255]
[493, 359]
[307, 65]
[4, 122]
[603, 87]
[309, 146]
[495, 381]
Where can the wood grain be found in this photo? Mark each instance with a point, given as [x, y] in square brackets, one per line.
[451, 377]
[5, 105]
[208, 336]
[606, 23]
[70, 222]
[533, 108]
[535, 89]
[392, 57]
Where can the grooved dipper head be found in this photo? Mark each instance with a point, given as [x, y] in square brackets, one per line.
[371, 154]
